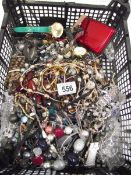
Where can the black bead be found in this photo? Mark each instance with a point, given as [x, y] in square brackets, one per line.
[43, 144]
[48, 156]
[13, 118]
[73, 158]
[52, 118]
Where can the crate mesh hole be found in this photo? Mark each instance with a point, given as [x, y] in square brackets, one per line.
[124, 81]
[5, 53]
[121, 57]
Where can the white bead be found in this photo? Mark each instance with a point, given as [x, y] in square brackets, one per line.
[26, 65]
[26, 154]
[48, 64]
[36, 80]
[66, 101]
[80, 51]
[67, 55]
[72, 71]
[50, 137]
[32, 67]
[79, 145]
[68, 130]
[44, 134]
[22, 70]
[79, 79]
[84, 133]
[67, 46]
[37, 151]
[61, 44]
[57, 29]
[86, 104]
[46, 96]
[24, 119]
[43, 51]
[46, 165]
[59, 164]
[90, 85]
[14, 139]
[47, 86]
[85, 76]
[60, 57]
[69, 107]
[90, 71]
[21, 46]
[45, 114]
[32, 114]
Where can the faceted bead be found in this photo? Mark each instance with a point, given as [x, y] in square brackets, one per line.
[59, 132]
[38, 160]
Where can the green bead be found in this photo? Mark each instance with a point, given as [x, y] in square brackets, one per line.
[52, 111]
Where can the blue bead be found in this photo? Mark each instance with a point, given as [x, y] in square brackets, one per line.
[24, 119]
[73, 158]
[43, 144]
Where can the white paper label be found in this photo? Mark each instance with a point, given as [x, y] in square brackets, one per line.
[66, 88]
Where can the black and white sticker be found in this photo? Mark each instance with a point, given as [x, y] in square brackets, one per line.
[66, 88]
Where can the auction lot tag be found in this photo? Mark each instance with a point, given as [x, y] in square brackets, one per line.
[66, 88]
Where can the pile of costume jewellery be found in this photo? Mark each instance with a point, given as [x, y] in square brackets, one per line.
[59, 107]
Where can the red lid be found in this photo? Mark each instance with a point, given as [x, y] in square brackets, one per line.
[96, 35]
